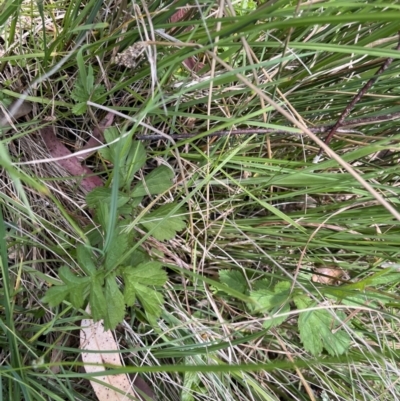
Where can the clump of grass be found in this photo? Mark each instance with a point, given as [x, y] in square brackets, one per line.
[244, 315]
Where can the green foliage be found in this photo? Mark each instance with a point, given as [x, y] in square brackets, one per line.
[244, 191]
[85, 90]
[233, 279]
[130, 159]
[138, 283]
[273, 302]
[165, 228]
[320, 329]
[101, 268]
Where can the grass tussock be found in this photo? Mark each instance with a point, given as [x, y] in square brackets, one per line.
[230, 266]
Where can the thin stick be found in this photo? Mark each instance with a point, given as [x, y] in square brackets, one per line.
[356, 99]
[263, 131]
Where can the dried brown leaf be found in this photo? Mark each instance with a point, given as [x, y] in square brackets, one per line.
[94, 338]
[72, 164]
[327, 275]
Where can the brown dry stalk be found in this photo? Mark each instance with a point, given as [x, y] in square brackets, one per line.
[357, 98]
[263, 131]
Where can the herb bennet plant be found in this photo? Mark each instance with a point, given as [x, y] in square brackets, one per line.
[101, 266]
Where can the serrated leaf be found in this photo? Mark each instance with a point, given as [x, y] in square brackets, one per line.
[151, 300]
[129, 291]
[340, 343]
[316, 329]
[103, 195]
[103, 215]
[267, 299]
[302, 301]
[132, 163]
[115, 304]
[164, 227]
[118, 246]
[68, 277]
[79, 93]
[147, 273]
[79, 109]
[276, 321]
[74, 289]
[55, 295]
[156, 182]
[264, 284]
[233, 279]
[97, 298]
[77, 286]
[97, 93]
[111, 134]
[85, 260]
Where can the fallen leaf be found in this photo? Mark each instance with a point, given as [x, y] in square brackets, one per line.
[72, 165]
[327, 275]
[93, 338]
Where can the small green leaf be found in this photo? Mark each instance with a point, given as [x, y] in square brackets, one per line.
[89, 79]
[317, 330]
[74, 290]
[267, 299]
[264, 284]
[129, 291]
[85, 259]
[151, 300]
[56, 294]
[102, 215]
[137, 257]
[276, 321]
[156, 182]
[79, 108]
[233, 279]
[162, 225]
[79, 93]
[97, 299]
[78, 286]
[81, 66]
[115, 304]
[132, 163]
[118, 246]
[103, 195]
[148, 273]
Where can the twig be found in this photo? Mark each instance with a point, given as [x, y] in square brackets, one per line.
[356, 98]
[263, 131]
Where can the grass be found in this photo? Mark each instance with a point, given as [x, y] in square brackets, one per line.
[248, 231]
